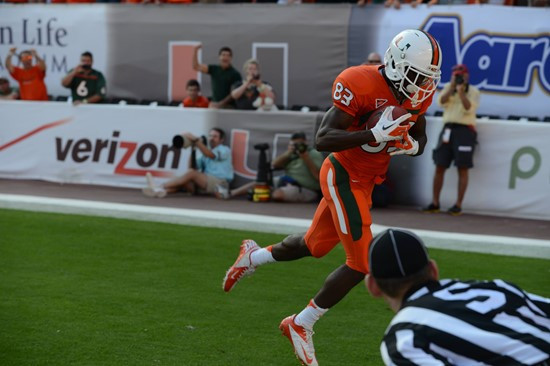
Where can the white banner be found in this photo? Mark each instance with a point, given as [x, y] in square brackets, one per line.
[116, 145]
[107, 145]
[59, 33]
[510, 177]
[507, 51]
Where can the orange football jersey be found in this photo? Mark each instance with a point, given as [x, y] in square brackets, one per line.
[358, 91]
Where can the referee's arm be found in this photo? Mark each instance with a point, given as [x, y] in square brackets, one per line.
[399, 349]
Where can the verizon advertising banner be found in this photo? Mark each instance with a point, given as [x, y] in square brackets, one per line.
[117, 145]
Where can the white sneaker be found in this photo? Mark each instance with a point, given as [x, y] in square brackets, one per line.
[222, 192]
[151, 190]
[242, 266]
[160, 192]
[150, 181]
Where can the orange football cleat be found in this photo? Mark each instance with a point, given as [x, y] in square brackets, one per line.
[242, 266]
[301, 339]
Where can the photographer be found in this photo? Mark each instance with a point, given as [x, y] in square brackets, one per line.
[302, 164]
[253, 93]
[87, 84]
[212, 167]
[458, 138]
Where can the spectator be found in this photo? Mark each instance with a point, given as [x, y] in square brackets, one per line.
[194, 98]
[302, 164]
[222, 77]
[458, 138]
[30, 78]
[87, 85]
[213, 168]
[373, 58]
[361, 3]
[300, 183]
[452, 322]
[253, 93]
[415, 3]
[6, 91]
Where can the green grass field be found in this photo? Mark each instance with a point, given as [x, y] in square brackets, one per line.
[77, 290]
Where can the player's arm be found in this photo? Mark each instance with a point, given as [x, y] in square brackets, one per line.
[8, 63]
[408, 353]
[196, 65]
[332, 134]
[418, 132]
[414, 141]
[68, 79]
[310, 164]
[39, 61]
[197, 142]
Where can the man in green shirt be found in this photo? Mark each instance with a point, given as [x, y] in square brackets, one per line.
[87, 85]
[302, 164]
[222, 76]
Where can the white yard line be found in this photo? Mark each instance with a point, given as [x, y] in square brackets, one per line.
[503, 245]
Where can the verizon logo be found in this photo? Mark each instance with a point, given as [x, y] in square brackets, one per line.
[145, 156]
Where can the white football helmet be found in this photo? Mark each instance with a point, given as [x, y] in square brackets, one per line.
[413, 62]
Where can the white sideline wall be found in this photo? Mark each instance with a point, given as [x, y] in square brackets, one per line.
[500, 245]
[116, 145]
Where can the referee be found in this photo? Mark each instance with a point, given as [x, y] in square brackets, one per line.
[450, 322]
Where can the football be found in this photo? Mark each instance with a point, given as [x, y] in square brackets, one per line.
[375, 116]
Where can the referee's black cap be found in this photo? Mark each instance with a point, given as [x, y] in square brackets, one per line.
[396, 253]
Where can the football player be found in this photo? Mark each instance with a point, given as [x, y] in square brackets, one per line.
[359, 160]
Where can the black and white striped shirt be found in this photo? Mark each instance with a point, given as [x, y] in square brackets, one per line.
[469, 323]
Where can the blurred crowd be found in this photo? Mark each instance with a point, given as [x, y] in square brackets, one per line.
[388, 3]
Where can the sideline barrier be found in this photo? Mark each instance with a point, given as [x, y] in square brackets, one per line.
[500, 245]
[116, 146]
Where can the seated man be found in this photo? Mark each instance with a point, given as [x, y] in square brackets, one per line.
[6, 91]
[87, 84]
[300, 183]
[194, 98]
[302, 164]
[213, 168]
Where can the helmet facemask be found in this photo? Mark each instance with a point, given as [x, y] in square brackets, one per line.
[415, 84]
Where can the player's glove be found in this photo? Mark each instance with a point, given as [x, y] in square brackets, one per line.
[386, 129]
[408, 146]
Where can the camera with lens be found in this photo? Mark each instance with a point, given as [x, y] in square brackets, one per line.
[300, 147]
[256, 77]
[182, 142]
[261, 147]
[459, 79]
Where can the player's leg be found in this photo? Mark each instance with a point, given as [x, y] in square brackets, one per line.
[291, 248]
[349, 201]
[320, 239]
[183, 181]
[439, 177]
[442, 157]
[462, 185]
[350, 222]
[464, 141]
